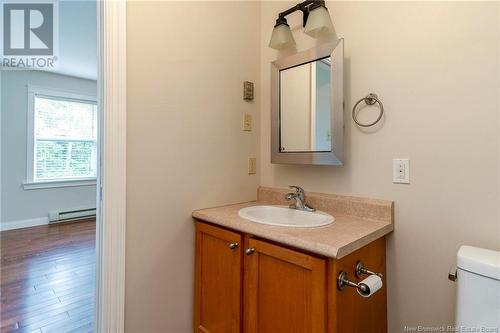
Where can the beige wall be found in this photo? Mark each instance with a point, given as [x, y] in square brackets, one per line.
[185, 144]
[435, 67]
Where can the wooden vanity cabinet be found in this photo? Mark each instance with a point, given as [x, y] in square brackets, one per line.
[263, 287]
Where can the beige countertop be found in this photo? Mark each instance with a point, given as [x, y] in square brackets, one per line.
[358, 221]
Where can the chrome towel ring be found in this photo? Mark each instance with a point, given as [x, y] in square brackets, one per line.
[370, 99]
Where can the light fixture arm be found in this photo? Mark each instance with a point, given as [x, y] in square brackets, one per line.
[305, 7]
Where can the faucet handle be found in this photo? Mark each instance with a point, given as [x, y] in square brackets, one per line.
[297, 189]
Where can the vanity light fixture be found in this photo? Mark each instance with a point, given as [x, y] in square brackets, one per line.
[318, 21]
[315, 19]
[282, 37]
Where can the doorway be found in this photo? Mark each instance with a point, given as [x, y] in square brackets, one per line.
[49, 172]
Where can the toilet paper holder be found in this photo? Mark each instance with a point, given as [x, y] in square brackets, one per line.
[359, 270]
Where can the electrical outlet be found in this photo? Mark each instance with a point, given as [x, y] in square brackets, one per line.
[247, 122]
[252, 165]
[401, 171]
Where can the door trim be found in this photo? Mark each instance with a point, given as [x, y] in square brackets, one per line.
[111, 194]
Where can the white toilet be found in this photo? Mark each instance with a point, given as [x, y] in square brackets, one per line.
[478, 290]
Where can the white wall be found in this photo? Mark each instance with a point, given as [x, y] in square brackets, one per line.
[435, 65]
[295, 102]
[19, 204]
[186, 63]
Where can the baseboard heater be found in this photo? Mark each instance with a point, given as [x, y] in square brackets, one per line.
[71, 215]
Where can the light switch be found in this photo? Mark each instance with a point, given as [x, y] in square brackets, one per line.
[247, 90]
[252, 165]
[401, 171]
[247, 122]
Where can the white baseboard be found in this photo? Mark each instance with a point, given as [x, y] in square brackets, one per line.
[10, 225]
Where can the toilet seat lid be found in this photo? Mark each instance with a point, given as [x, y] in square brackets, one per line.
[479, 261]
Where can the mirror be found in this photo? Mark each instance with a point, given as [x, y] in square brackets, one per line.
[307, 107]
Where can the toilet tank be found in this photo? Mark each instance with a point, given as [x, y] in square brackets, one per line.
[478, 290]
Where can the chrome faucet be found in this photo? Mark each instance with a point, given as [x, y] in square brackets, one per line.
[300, 199]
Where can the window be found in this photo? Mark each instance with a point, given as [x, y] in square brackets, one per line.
[62, 137]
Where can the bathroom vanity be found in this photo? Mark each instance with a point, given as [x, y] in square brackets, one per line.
[252, 277]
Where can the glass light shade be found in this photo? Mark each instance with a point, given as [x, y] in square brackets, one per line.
[281, 37]
[318, 22]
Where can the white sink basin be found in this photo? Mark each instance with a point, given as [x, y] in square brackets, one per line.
[285, 217]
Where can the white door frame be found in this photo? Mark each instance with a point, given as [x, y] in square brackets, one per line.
[110, 242]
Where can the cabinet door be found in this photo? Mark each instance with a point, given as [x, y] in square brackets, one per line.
[218, 279]
[285, 290]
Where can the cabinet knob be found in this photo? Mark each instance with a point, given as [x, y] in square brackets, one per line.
[234, 245]
[249, 251]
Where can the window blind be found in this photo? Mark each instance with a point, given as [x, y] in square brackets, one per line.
[65, 135]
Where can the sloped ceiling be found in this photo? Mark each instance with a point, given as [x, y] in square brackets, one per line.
[78, 39]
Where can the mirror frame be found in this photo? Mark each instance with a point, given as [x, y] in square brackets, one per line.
[334, 157]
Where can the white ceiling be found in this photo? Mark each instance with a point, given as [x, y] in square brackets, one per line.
[78, 38]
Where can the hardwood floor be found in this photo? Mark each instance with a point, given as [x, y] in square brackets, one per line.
[47, 278]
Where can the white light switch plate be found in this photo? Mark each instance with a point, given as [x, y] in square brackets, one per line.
[252, 165]
[401, 171]
[247, 122]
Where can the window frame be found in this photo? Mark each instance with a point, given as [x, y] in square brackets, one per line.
[59, 94]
